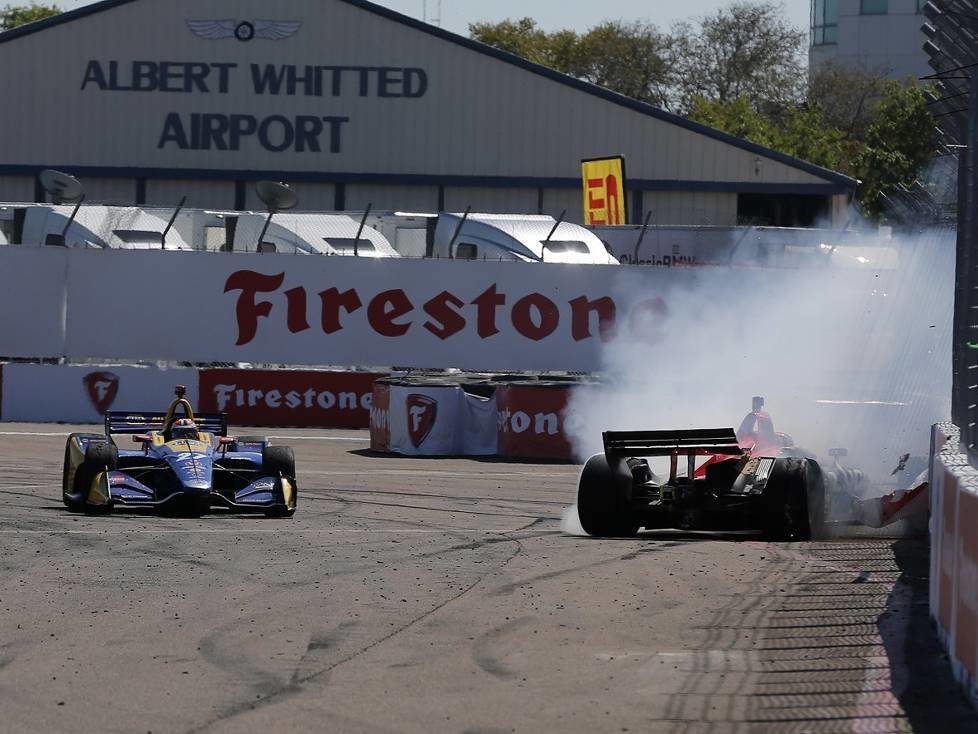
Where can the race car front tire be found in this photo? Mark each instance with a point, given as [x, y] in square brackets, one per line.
[278, 460]
[99, 457]
[604, 499]
[67, 462]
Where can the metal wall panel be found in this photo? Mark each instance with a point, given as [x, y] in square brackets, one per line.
[397, 198]
[479, 115]
[312, 196]
[16, 188]
[683, 207]
[200, 194]
[557, 200]
[110, 190]
[491, 200]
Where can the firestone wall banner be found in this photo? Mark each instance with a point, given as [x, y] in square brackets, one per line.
[345, 311]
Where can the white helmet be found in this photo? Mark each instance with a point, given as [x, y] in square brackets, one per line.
[184, 428]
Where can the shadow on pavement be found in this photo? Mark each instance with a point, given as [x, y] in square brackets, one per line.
[919, 668]
[371, 454]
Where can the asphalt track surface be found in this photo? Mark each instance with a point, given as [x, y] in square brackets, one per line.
[417, 595]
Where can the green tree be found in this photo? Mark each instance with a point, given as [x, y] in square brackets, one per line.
[524, 38]
[847, 97]
[744, 50]
[898, 137]
[899, 142]
[630, 58]
[737, 117]
[12, 16]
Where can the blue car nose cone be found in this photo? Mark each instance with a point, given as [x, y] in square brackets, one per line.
[193, 470]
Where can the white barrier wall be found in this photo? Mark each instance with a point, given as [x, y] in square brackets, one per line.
[82, 394]
[216, 307]
[32, 301]
[335, 310]
[954, 554]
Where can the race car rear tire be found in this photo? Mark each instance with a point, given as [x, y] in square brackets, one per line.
[793, 500]
[278, 460]
[604, 499]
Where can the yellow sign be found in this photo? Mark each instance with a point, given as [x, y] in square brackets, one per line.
[604, 190]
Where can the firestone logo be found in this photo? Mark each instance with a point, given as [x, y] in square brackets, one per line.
[392, 313]
[241, 397]
[102, 388]
[521, 422]
[422, 412]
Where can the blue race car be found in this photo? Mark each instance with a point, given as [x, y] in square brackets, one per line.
[187, 464]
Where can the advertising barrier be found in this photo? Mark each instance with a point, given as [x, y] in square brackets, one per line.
[531, 420]
[954, 554]
[295, 398]
[380, 413]
[82, 394]
[305, 310]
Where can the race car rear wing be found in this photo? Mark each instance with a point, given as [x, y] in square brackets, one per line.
[691, 443]
[121, 422]
[695, 442]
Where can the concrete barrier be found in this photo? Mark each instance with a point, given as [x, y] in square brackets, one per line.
[43, 393]
[954, 554]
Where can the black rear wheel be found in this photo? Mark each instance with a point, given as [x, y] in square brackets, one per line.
[794, 500]
[604, 498]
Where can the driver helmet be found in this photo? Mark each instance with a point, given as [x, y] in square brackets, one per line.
[184, 428]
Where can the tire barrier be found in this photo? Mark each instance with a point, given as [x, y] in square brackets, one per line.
[434, 416]
[954, 554]
[515, 416]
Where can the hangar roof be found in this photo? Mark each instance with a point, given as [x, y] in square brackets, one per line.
[834, 180]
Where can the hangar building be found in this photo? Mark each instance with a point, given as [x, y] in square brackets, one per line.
[352, 103]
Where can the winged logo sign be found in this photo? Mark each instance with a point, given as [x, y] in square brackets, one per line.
[244, 30]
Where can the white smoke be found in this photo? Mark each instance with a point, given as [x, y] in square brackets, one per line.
[570, 522]
[849, 346]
